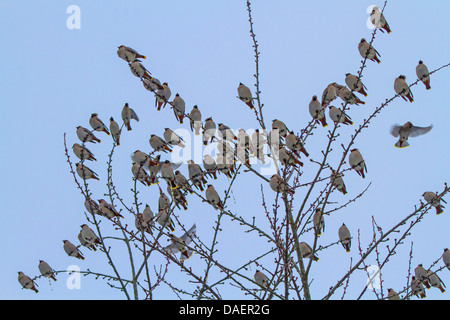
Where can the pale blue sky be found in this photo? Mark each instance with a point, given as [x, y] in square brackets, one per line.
[53, 78]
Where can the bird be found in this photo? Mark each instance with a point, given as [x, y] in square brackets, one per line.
[128, 54]
[345, 237]
[46, 270]
[378, 20]
[98, 124]
[26, 282]
[261, 279]
[209, 130]
[140, 157]
[151, 84]
[107, 209]
[88, 234]
[172, 138]
[446, 258]
[158, 144]
[355, 84]
[435, 281]
[403, 132]
[402, 89]
[196, 175]
[423, 74]
[178, 108]
[319, 221]
[179, 244]
[163, 218]
[138, 69]
[115, 130]
[281, 126]
[127, 115]
[177, 197]
[338, 182]
[349, 97]
[195, 118]
[316, 110]
[226, 133]
[287, 157]
[210, 166]
[244, 141]
[181, 182]
[139, 173]
[417, 288]
[421, 274]
[357, 162]
[245, 95]
[91, 206]
[258, 144]
[86, 135]
[338, 116]
[163, 202]
[225, 164]
[392, 295]
[368, 51]
[82, 152]
[84, 243]
[144, 220]
[162, 96]
[306, 251]
[167, 174]
[213, 197]
[294, 143]
[72, 250]
[85, 173]
[278, 185]
[433, 199]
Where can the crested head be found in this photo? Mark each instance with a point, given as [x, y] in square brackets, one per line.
[420, 62]
[363, 40]
[314, 98]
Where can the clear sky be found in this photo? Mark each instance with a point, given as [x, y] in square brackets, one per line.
[54, 77]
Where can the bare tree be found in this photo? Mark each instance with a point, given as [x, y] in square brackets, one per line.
[281, 239]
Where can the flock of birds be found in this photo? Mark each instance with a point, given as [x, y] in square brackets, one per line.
[285, 145]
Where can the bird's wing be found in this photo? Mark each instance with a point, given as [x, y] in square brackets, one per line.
[133, 115]
[187, 237]
[418, 131]
[395, 130]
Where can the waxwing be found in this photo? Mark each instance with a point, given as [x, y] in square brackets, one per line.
[128, 114]
[417, 288]
[85, 173]
[355, 84]
[225, 164]
[338, 116]
[245, 95]
[128, 54]
[294, 144]
[282, 128]
[245, 141]
[46, 270]
[261, 279]
[274, 138]
[115, 130]
[345, 237]
[278, 185]
[210, 166]
[167, 174]
[91, 206]
[433, 199]
[82, 152]
[162, 96]
[258, 143]
[349, 97]
[378, 20]
[357, 162]
[196, 175]
[368, 51]
[86, 244]
[446, 258]
[179, 244]
[319, 221]
[435, 281]
[226, 133]
[88, 234]
[152, 84]
[71, 250]
[306, 251]
[195, 118]
[392, 295]
[158, 144]
[403, 132]
[140, 157]
[423, 74]
[138, 69]
[164, 219]
[107, 210]
[172, 138]
[178, 108]
[98, 124]
[401, 88]
[330, 93]
[137, 169]
[316, 110]
[181, 182]
[338, 182]
[26, 282]
[213, 197]
[287, 157]
[209, 130]
[177, 197]
[421, 274]
[86, 136]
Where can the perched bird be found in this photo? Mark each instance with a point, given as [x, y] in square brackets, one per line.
[330, 93]
[294, 144]
[163, 218]
[378, 20]
[179, 244]
[278, 185]
[26, 282]
[355, 84]
[138, 69]
[225, 164]
[392, 295]
[258, 144]
[242, 154]
[274, 138]
[195, 118]
[196, 175]
[434, 200]
[345, 237]
[158, 144]
[357, 162]
[82, 152]
[144, 220]
[421, 274]
[417, 287]
[244, 141]
[98, 124]
[108, 210]
[245, 95]
[163, 202]
[338, 182]
[349, 97]
[316, 110]
[403, 132]
[128, 54]
[226, 133]
[446, 258]
[91, 206]
[177, 197]
[287, 157]
[152, 84]
[178, 108]
[172, 138]
[127, 115]
[86, 136]
[167, 174]
[423, 74]
[115, 130]
[46, 270]
[435, 281]
[86, 244]
[162, 96]
[213, 197]
[281, 126]
[71, 250]
[402, 88]
[182, 183]
[306, 251]
[368, 51]
[338, 116]
[209, 130]
[319, 221]
[85, 173]
[140, 157]
[261, 279]
[139, 173]
[88, 234]
[210, 166]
